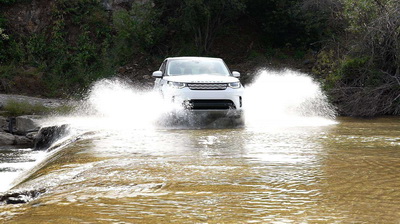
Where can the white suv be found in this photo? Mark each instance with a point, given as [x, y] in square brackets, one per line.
[200, 84]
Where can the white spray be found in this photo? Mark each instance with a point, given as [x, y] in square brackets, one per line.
[286, 98]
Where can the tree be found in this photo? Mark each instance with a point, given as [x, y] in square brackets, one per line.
[202, 20]
[3, 37]
[377, 22]
[371, 87]
[137, 31]
[295, 23]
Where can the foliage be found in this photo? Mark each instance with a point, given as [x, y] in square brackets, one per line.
[360, 13]
[325, 64]
[3, 38]
[377, 25]
[200, 20]
[289, 23]
[367, 79]
[355, 44]
[205, 19]
[76, 57]
[18, 108]
[137, 31]
[72, 51]
[357, 72]
[8, 2]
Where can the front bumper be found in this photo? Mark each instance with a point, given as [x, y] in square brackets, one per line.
[217, 113]
[204, 119]
[200, 97]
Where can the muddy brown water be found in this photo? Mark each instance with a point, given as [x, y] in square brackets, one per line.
[347, 172]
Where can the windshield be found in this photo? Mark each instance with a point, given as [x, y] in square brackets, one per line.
[197, 67]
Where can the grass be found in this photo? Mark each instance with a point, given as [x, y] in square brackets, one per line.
[18, 108]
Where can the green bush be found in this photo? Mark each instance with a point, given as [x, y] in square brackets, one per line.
[285, 22]
[359, 72]
[17, 108]
[137, 31]
[352, 67]
[73, 52]
[5, 2]
[197, 22]
[3, 38]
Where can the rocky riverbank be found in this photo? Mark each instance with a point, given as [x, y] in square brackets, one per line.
[20, 131]
[26, 131]
[23, 131]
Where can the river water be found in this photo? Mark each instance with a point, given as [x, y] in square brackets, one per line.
[293, 162]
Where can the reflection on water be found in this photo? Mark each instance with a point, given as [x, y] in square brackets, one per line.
[347, 172]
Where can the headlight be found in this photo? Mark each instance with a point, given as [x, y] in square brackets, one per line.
[178, 85]
[234, 85]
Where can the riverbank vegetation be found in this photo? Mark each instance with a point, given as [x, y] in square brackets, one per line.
[58, 48]
[14, 108]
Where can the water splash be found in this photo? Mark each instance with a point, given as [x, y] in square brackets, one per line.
[119, 104]
[115, 104]
[286, 98]
[278, 98]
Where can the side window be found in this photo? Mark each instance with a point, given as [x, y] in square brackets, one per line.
[162, 68]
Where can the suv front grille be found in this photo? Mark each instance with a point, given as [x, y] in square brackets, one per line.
[207, 86]
[209, 104]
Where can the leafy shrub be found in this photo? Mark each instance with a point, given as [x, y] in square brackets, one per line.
[197, 22]
[4, 2]
[3, 38]
[325, 64]
[359, 72]
[292, 22]
[17, 108]
[137, 31]
[73, 51]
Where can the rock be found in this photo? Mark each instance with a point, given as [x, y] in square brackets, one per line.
[48, 135]
[20, 197]
[32, 135]
[23, 141]
[11, 125]
[6, 139]
[3, 123]
[10, 139]
[26, 123]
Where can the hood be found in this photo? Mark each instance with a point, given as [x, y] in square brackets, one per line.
[201, 79]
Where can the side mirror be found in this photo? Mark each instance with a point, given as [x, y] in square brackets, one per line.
[157, 74]
[236, 74]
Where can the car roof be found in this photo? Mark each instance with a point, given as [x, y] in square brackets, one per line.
[197, 58]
